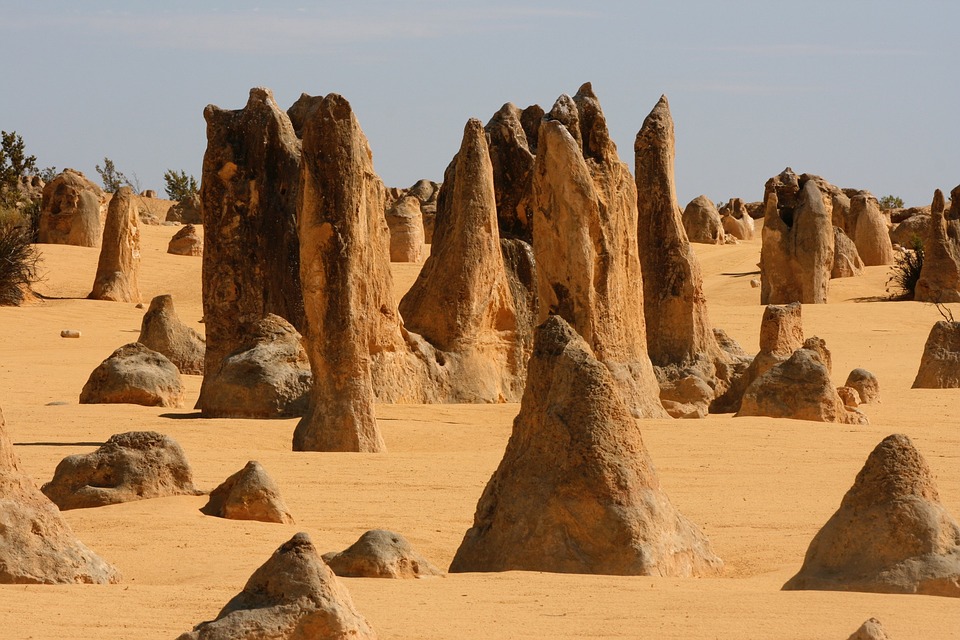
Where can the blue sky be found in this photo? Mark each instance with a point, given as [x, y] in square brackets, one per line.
[863, 93]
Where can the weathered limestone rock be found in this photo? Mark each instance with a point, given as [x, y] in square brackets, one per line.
[162, 331]
[891, 534]
[292, 596]
[380, 554]
[576, 491]
[846, 260]
[701, 221]
[585, 225]
[512, 160]
[118, 271]
[71, 211]
[849, 396]
[406, 230]
[871, 236]
[866, 385]
[129, 466]
[796, 257]
[248, 494]
[186, 211]
[907, 232]
[736, 220]
[251, 250]
[134, 374]
[268, 376]
[462, 301]
[870, 630]
[940, 276]
[186, 242]
[940, 362]
[36, 543]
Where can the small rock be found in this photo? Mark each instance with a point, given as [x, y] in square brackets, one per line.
[755, 283]
[249, 494]
[139, 305]
[70, 333]
[134, 374]
[380, 554]
[870, 630]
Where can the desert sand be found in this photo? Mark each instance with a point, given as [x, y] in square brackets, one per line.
[759, 488]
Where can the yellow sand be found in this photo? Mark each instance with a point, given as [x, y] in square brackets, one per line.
[759, 488]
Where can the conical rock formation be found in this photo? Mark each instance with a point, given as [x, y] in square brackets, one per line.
[380, 554]
[162, 331]
[512, 159]
[940, 361]
[118, 270]
[846, 260]
[871, 235]
[891, 534]
[186, 242]
[701, 221]
[940, 275]
[292, 596]
[36, 544]
[870, 630]
[248, 494]
[576, 491]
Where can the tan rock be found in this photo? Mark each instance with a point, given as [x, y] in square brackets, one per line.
[293, 595]
[162, 331]
[186, 211]
[134, 374]
[940, 362]
[849, 396]
[940, 276]
[585, 225]
[871, 236]
[118, 271]
[870, 630]
[129, 466]
[248, 494]
[891, 534]
[701, 221]
[846, 260]
[251, 251]
[380, 554]
[910, 230]
[71, 211]
[575, 491]
[37, 545]
[405, 222]
[186, 242]
[736, 220]
[512, 159]
[866, 384]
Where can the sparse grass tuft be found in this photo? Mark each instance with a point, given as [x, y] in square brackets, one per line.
[19, 260]
[905, 272]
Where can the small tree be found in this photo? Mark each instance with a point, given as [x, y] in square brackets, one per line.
[891, 202]
[111, 177]
[179, 185]
[14, 162]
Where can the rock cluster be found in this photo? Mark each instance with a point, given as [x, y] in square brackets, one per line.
[162, 331]
[129, 466]
[736, 220]
[134, 374]
[380, 554]
[186, 242]
[71, 211]
[248, 494]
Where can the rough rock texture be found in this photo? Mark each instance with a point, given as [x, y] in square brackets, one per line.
[512, 158]
[248, 494]
[405, 222]
[866, 385]
[186, 242]
[134, 374]
[736, 220]
[798, 388]
[940, 362]
[940, 276]
[701, 221]
[118, 271]
[292, 596]
[462, 301]
[585, 225]
[251, 250]
[71, 211]
[268, 376]
[870, 630]
[186, 211]
[796, 257]
[846, 260]
[908, 231]
[36, 543]
[849, 396]
[162, 331]
[129, 466]
[576, 491]
[380, 554]
[871, 235]
[891, 534]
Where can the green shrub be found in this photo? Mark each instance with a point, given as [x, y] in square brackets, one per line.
[891, 202]
[179, 185]
[19, 260]
[905, 272]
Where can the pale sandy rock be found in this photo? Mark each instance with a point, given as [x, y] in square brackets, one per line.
[846, 260]
[866, 384]
[796, 257]
[576, 491]
[380, 554]
[940, 276]
[134, 374]
[585, 225]
[129, 466]
[251, 250]
[292, 596]
[870, 630]
[405, 222]
[186, 211]
[728, 344]
[849, 396]
[186, 242]
[907, 232]
[71, 211]
[736, 220]
[248, 494]
[268, 376]
[37, 545]
[118, 271]
[819, 345]
[512, 159]
[891, 533]
[701, 221]
[871, 235]
[162, 331]
[940, 362]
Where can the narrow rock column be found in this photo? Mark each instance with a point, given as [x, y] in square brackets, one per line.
[118, 270]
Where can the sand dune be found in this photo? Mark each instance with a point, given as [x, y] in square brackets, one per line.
[760, 488]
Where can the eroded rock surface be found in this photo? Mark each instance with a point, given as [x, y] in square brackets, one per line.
[870, 630]
[846, 260]
[405, 222]
[940, 362]
[118, 270]
[701, 221]
[186, 242]
[940, 275]
[71, 211]
[134, 374]
[380, 554]
[248, 494]
[162, 331]
[871, 235]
